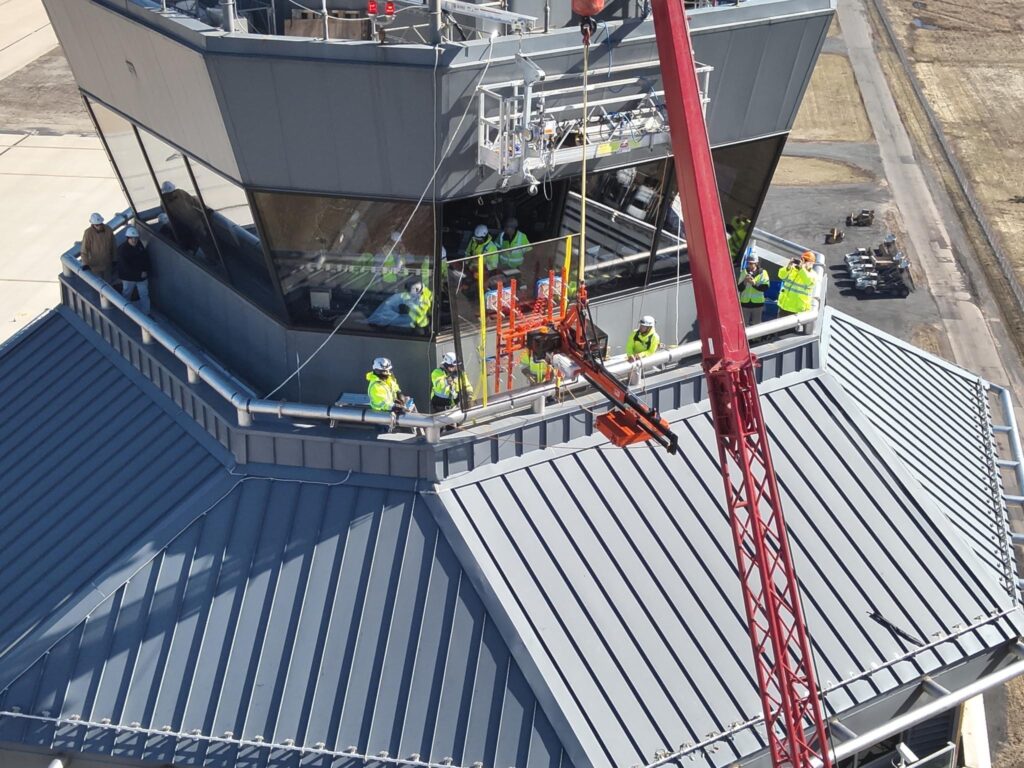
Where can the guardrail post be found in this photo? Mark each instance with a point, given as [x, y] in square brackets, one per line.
[104, 301]
[244, 418]
[192, 374]
[147, 337]
[433, 434]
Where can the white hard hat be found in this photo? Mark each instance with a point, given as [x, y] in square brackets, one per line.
[753, 257]
[396, 236]
[480, 231]
[647, 320]
[381, 365]
[167, 187]
[449, 359]
[131, 232]
[95, 219]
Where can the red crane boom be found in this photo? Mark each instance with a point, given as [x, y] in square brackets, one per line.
[778, 636]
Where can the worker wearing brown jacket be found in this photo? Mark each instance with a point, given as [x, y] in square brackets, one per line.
[98, 248]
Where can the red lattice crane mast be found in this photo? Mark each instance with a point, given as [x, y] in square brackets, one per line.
[782, 653]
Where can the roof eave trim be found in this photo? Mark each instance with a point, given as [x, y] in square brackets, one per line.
[382, 757]
[862, 740]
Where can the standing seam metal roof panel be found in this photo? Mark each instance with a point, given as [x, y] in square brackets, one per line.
[936, 417]
[315, 618]
[86, 483]
[616, 569]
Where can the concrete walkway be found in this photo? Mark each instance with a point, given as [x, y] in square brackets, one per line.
[25, 34]
[49, 184]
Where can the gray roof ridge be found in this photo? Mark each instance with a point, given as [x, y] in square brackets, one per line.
[536, 668]
[596, 440]
[26, 650]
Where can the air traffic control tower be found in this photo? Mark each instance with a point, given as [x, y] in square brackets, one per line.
[307, 182]
[212, 558]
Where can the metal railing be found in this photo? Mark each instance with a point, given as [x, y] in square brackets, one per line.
[247, 405]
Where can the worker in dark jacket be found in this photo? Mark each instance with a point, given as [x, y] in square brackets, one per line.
[133, 267]
[97, 251]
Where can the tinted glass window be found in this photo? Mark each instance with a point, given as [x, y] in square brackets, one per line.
[744, 172]
[129, 161]
[622, 216]
[187, 219]
[343, 260]
[234, 230]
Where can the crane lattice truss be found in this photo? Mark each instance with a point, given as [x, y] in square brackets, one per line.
[778, 635]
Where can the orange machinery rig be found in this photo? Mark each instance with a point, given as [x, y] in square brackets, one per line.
[790, 699]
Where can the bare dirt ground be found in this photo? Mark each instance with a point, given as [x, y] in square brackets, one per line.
[969, 59]
[812, 171]
[832, 109]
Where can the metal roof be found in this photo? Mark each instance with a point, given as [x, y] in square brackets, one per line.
[328, 616]
[154, 599]
[578, 605]
[615, 568]
[95, 465]
[937, 418]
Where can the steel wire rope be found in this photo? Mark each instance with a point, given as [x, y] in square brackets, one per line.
[583, 169]
[394, 244]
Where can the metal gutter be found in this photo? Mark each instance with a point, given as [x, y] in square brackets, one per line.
[941, 704]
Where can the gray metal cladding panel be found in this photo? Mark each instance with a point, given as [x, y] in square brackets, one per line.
[761, 72]
[324, 615]
[158, 82]
[332, 126]
[936, 417]
[92, 462]
[616, 570]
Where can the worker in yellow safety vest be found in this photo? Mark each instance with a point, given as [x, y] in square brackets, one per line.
[416, 302]
[382, 388]
[752, 284]
[644, 341]
[798, 279]
[482, 244]
[448, 383]
[737, 232]
[536, 368]
[513, 245]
